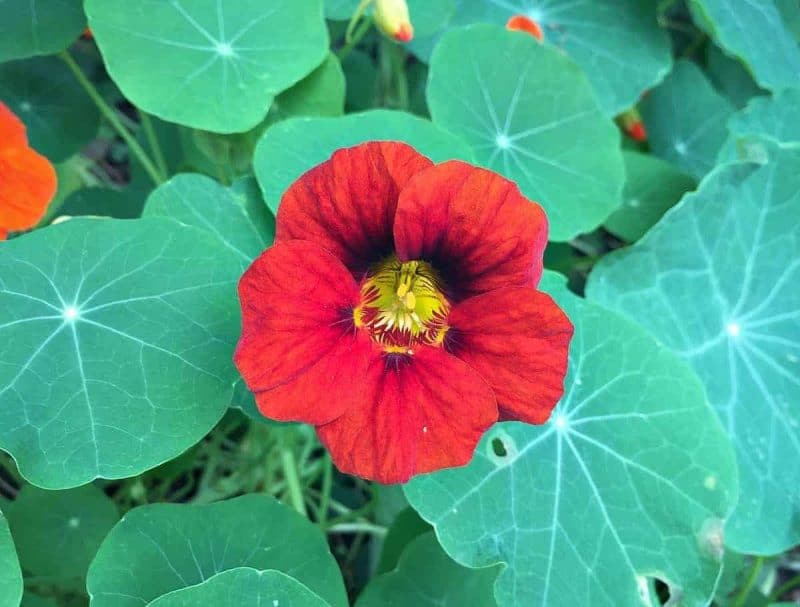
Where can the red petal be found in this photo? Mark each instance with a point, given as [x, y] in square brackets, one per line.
[521, 23]
[474, 226]
[27, 185]
[425, 412]
[347, 204]
[298, 344]
[518, 340]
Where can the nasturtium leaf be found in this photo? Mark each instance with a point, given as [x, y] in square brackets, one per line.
[228, 58]
[651, 187]
[775, 119]
[685, 119]
[39, 27]
[199, 201]
[406, 526]
[716, 281]
[58, 532]
[730, 77]
[33, 600]
[631, 477]
[115, 344]
[10, 574]
[536, 121]
[161, 548]
[321, 93]
[617, 43]
[58, 115]
[362, 81]
[754, 32]
[101, 202]
[427, 577]
[243, 587]
[292, 147]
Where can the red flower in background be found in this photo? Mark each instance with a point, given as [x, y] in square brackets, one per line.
[521, 23]
[397, 311]
[27, 179]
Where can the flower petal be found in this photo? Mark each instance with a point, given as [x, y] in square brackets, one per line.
[12, 129]
[298, 347]
[424, 412]
[347, 204]
[474, 226]
[517, 339]
[29, 184]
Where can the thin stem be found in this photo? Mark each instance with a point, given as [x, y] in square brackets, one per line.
[292, 480]
[360, 10]
[152, 140]
[325, 497]
[752, 578]
[359, 528]
[783, 589]
[111, 115]
[352, 42]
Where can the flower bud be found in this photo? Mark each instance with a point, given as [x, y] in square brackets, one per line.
[391, 17]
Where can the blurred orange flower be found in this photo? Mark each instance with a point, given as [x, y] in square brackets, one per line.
[27, 179]
[521, 23]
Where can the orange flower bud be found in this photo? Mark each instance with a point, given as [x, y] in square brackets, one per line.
[391, 17]
[632, 124]
[521, 23]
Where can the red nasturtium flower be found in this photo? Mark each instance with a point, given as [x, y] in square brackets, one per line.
[398, 313]
[27, 179]
[521, 23]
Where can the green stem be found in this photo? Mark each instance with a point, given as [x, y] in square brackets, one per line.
[752, 578]
[152, 139]
[783, 589]
[325, 497]
[358, 528]
[111, 115]
[292, 480]
[353, 41]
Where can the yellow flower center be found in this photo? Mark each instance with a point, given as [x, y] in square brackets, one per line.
[402, 304]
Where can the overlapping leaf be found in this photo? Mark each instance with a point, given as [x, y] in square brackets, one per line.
[10, 574]
[651, 187]
[631, 477]
[292, 147]
[115, 344]
[427, 577]
[716, 281]
[618, 43]
[72, 523]
[535, 121]
[756, 33]
[39, 27]
[59, 117]
[229, 58]
[243, 587]
[685, 119]
[158, 549]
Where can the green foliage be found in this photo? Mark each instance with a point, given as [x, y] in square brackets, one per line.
[39, 27]
[162, 548]
[10, 575]
[515, 121]
[632, 439]
[716, 282]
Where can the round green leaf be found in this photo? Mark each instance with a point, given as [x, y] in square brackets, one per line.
[321, 93]
[618, 43]
[406, 526]
[39, 27]
[429, 578]
[652, 186]
[228, 58]
[536, 121]
[754, 32]
[774, 119]
[161, 548]
[101, 202]
[685, 119]
[243, 587]
[59, 116]
[10, 574]
[631, 477]
[716, 281]
[58, 532]
[730, 77]
[199, 201]
[115, 346]
[290, 148]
